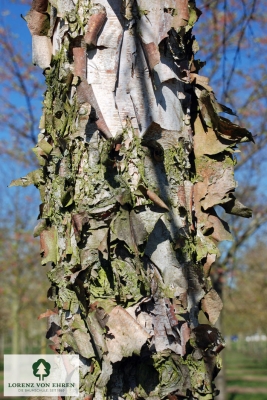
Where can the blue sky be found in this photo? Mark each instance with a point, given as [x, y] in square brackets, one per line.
[11, 13]
[10, 18]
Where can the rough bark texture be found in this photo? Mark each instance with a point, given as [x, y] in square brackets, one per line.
[134, 157]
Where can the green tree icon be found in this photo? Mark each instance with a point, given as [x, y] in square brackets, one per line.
[41, 368]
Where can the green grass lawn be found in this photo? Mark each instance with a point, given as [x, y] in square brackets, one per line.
[247, 396]
[1, 382]
[246, 370]
[246, 383]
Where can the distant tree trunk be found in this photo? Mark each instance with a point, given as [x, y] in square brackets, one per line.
[2, 342]
[15, 325]
[218, 284]
[220, 383]
[133, 159]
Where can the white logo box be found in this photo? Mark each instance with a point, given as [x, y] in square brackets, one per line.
[41, 375]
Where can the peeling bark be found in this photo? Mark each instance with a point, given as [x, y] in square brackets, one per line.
[133, 158]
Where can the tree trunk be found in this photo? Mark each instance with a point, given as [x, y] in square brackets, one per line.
[127, 217]
[218, 284]
[15, 325]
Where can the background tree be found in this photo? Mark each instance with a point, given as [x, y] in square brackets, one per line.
[247, 289]
[234, 47]
[233, 51]
[20, 99]
[21, 91]
[22, 280]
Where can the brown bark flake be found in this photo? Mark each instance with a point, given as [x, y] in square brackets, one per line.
[182, 16]
[37, 22]
[152, 53]
[79, 55]
[94, 25]
[40, 5]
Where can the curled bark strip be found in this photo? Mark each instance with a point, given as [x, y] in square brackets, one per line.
[185, 336]
[172, 397]
[103, 247]
[78, 220]
[220, 348]
[200, 80]
[152, 53]
[182, 17]
[217, 184]
[235, 207]
[38, 23]
[97, 334]
[185, 195]
[86, 95]
[120, 342]
[171, 313]
[39, 228]
[230, 131]
[207, 266]
[207, 337]
[41, 51]
[40, 5]
[212, 305]
[181, 196]
[206, 141]
[48, 242]
[94, 25]
[48, 313]
[153, 196]
[79, 56]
